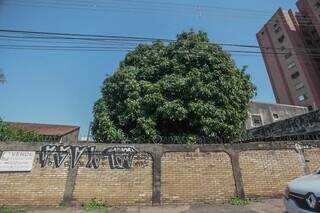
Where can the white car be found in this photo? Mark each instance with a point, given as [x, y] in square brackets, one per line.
[303, 194]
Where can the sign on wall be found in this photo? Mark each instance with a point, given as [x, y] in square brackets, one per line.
[16, 161]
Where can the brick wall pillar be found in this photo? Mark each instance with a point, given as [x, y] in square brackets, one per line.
[234, 156]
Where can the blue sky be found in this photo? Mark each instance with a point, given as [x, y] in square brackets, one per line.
[61, 86]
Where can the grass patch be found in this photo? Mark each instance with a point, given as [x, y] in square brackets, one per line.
[95, 204]
[237, 201]
[11, 210]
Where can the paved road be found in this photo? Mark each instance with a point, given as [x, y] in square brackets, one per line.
[266, 206]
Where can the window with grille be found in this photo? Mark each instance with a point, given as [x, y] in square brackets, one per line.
[291, 65]
[302, 97]
[299, 86]
[256, 120]
[277, 30]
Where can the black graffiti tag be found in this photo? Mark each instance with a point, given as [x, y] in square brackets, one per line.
[120, 157]
[93, 160]
[45, 153]
[76, 153]
[60, 153]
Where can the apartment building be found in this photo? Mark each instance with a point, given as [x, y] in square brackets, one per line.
[290, 45]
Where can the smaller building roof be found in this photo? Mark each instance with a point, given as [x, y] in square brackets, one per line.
[277, 104]
[45, 129]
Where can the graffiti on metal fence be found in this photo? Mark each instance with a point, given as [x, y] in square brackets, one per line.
[119, 157]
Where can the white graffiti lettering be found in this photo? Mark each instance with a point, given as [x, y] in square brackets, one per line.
[120, 157]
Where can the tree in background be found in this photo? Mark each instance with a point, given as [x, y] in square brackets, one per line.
[190, 87]
[11, 134]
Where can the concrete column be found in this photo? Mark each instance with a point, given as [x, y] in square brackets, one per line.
[69, 187]
[156, 170]
[302, 160]
[234, 156]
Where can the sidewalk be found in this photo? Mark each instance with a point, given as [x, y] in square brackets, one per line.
[266, 206]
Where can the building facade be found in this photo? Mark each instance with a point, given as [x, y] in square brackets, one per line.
[289, 44]
[260, 114]
[311, 10]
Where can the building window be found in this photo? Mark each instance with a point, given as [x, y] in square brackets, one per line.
[256, 120]
[288, 55]
[302, 97]
[277, 30]
[295, 75]
[275, 116]
[291, 65]
[281, 39]
[299, 86]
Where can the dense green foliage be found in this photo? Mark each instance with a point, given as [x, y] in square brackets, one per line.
[11, 134]
[237, 201]
[188, 88]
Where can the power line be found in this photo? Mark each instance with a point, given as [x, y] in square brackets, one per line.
[97, 4]
[113, 39]
[133, 38]
[115, 43]
[133, 9]
[122, 49]
[139, 4]
[67, 42]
